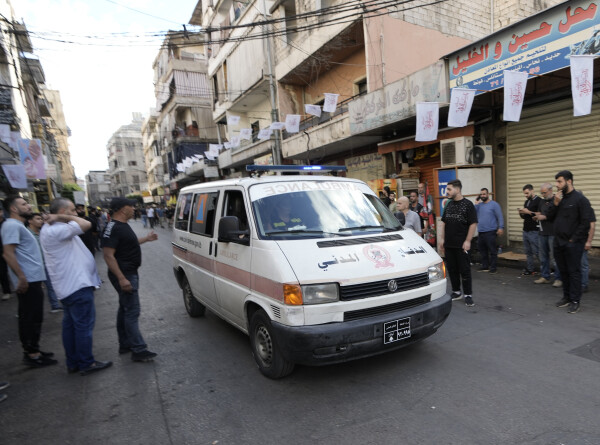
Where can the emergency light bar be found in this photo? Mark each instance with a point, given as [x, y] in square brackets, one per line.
[296, 168]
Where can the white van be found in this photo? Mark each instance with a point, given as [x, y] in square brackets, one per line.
[315, 269]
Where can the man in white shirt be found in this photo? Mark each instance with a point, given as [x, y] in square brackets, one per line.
[74, 276]
[411, 219]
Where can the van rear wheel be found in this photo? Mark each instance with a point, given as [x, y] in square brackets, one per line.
[193, 307]
[267, 354]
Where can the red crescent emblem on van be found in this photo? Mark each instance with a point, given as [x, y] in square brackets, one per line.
[378, 255]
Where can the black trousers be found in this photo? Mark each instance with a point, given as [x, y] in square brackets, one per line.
[568, 260]
[459, 270]
[488, 249]
[4, 276]
[31, 316]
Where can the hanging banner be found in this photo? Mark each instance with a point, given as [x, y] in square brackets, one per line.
[227, 145]
[292, 123]
[235, 142]
[277, 125]
[265, 133]
[30, 151]
[16, 176]
[233, 120]
[246, 134]
[582, 81]
[461, 101]
[515, 83]
[330, 102]
[428, 116]
[538, 45]
[314, 110]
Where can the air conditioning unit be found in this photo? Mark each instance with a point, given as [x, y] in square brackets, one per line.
[461, 151]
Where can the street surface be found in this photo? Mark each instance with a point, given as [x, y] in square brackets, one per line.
[511, 370]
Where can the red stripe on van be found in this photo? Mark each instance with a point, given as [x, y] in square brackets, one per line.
[260, 284]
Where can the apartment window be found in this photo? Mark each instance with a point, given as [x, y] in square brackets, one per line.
[132, 163]
[360, 87]
[255, 129]
[216, 89]
[135, 179]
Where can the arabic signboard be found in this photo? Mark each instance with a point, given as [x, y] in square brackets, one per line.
[539, 45]
[397, 101]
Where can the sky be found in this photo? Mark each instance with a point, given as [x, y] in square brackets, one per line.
[102, 82]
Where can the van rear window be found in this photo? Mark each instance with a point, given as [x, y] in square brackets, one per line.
[203, 214]
[182, 214]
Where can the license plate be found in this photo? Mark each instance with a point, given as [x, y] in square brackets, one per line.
[396, 330]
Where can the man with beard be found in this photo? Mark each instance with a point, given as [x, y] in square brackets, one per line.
[459, 222]
[490, 224]
[24, 258]
[531, 231]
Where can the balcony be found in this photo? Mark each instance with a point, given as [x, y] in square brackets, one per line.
[245, 153]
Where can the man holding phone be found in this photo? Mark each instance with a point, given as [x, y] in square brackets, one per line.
[571, 214]
[530, 228]
[490, 224]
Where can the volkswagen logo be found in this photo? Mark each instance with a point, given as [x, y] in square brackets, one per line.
[392, 286]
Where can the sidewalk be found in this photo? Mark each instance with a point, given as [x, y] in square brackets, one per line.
[518, 260]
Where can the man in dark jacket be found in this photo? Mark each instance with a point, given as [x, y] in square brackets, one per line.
[571, 214]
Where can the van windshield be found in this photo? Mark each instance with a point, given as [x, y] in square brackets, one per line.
[318, 211]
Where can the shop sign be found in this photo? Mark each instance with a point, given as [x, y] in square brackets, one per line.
[538, 45]
[397, 101]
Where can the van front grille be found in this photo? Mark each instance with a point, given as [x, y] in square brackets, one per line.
[386, 309]
[376, 288]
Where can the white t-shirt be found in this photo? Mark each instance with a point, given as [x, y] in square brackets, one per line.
[150, 212]
[70, 264]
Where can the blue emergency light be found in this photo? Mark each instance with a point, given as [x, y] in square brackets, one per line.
[296, 168]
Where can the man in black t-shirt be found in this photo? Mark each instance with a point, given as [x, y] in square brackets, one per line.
[123, 257]
[531, 230]
[459, 223]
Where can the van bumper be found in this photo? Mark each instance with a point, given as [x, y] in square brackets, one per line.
[349, 340]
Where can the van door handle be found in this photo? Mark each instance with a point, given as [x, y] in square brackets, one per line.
[215, 249]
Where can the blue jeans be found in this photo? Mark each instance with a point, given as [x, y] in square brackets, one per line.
[128, 314]
[531, 244]
[145, 221]
[52, 298]
[77, 328]
[585, 269]
[488, 249]
[547, 257]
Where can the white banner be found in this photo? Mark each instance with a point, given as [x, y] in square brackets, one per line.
[277, 125]
[515, 83]
[246, 133]
[428, 117]
[233, 119]
[461, 101]
[292, 123]
[227, 145]
[235, 142]
[16, 176]
[314, 110]
[330, 102]
[582, 84]
[265, 133]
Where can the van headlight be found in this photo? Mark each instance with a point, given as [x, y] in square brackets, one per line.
[320, 293]
[437, 272]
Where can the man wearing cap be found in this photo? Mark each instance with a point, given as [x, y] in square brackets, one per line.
[123, 257]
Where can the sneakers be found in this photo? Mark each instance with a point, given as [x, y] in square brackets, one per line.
[6, 297]
[143, 356]
[456, 295]
[94, 367]
[4, 385]
[573, 307]
[39, 362]
[54, 310]
[469, 301]
[542, 280]
[492, 271]
[483, 269]
[527, 272]
[3, 397]
[557, 283]
[563, 303]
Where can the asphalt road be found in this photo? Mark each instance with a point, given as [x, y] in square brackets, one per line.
[511, 370]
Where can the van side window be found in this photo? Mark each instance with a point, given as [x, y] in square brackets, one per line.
[182, 215]
[203, 214]
[233, 205]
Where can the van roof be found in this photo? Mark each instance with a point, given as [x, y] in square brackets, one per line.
[247, 182]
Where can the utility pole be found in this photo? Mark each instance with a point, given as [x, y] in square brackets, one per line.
[276, 152]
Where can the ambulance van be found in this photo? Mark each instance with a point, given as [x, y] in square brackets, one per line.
[315, 269]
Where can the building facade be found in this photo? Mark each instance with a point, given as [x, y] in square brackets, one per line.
[126, 164]
[98, 188]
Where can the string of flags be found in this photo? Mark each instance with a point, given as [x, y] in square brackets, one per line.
[515, 83]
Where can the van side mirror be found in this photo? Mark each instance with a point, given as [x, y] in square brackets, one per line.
[229, 231]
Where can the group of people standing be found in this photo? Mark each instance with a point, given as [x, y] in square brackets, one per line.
[52, 251]
[559, 224]
[157, 216]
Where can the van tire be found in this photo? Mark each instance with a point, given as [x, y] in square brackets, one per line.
[193, 307]
[265, 349]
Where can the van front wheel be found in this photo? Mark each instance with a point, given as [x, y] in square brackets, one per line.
[193, 307]
[266, 352]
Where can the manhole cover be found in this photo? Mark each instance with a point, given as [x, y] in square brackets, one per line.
[589, 350]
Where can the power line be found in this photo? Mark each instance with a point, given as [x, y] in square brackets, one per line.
[142, 12]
